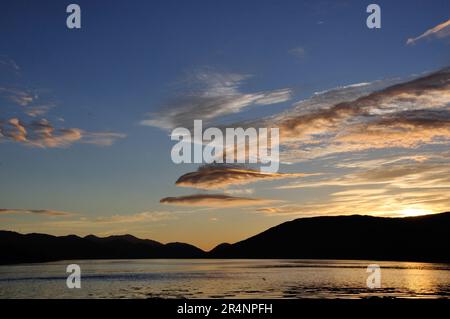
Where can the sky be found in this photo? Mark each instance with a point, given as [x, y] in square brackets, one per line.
[86, 114]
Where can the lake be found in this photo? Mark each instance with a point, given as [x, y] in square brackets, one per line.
[225, 278]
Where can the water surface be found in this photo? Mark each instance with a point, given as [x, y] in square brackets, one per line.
[225, 278]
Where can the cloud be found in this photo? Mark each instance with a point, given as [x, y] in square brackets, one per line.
[32, 102]
[363, 117]
[38, 110]
[214, 200]
[281, 210]
[44, 212]
[20, 97]
[416, 175]
[298, 52]
[239, 191]
[222, 176]
[440, 31]
[9, 64]
[367, 162]
[402, 174]
[135, 218]
[41, 133]
[148, 216]
[353, 118]
[377, 200]
[101, 138]
[214, 95]
[426, 92]
[348, 120]
[402, 130]
[140, 224]
[14, 130]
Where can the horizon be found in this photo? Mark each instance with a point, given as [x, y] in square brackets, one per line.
[363, 115]
[219, 244]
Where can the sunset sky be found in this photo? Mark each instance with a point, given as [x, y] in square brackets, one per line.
[86, 115]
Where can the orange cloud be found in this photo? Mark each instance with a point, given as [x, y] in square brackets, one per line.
[222, 176]
[44, 212]
[403, 115]
[41, 133]
[440, 31]
[214, 200]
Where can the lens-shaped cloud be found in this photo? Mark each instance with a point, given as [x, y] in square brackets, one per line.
[214, 200]
[222, 176]
[43, 212]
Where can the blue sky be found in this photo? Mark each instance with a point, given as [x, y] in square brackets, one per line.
[131, 59]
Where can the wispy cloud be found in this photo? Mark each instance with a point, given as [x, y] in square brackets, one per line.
[38, 110]
[18, 96]
[101, 138]
[44, 212]
[214, 200]
[377, 201]
[32, 102]
[298, 52]
[358, 118]
[440, 31]
[152, 216]
[148, 216]
[214, 95]
[9, 64]
[402, 174]
[62, 223]
[239, 191]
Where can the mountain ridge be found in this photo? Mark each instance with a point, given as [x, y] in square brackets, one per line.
[420, 238]
[417, 238]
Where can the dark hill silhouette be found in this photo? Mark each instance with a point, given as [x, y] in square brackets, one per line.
[17, 248]
[423, 238]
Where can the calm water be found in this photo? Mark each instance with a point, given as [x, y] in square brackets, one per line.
[225, 279]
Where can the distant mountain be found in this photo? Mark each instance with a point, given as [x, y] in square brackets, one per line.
[423, 238]
[18, 248]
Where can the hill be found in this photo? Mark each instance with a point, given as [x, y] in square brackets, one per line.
[422, 238]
